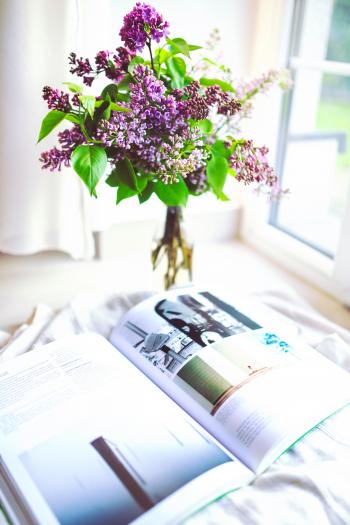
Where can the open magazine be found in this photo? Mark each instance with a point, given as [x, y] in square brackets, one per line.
[88, 438]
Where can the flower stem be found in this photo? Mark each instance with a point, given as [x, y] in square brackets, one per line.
[148, 43]
[174, 249]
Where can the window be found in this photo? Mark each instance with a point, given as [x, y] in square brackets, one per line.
[314, 150]
[308, 232]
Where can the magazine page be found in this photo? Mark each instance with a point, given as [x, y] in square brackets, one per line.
[246, 385]
[85, 437]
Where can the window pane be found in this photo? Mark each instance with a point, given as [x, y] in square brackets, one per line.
[315, 156]
[317, 161]
[339, 38]
[323, 31]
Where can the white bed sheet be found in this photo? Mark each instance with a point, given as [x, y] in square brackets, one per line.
[309, 484]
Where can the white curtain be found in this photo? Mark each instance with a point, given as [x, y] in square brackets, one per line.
[39, 210]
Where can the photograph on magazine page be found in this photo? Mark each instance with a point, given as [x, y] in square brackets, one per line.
[113, 474]
[205, 346]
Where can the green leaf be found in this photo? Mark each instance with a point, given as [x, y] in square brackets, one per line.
[102, 110]
[123, 97]
[125, 82]
[225, 86]
[116, 107]
[72, 118]
[216, 174]
[51, 120]
[223, 197]
[163, 55]
[133, 63]
[147, 192]
[194, 48]
[124, 192]
[89, 162]
[177, 70]
[141, 183]
[124, 173]
[88, 103]
[74, 88]
[188, 80]
[110, 90]
[211, 62]
[179, 45]
[106, 115]
[175, 194]
[113, 180]
[118, 178]
[232, 172]
[219, 149]
[204, 125]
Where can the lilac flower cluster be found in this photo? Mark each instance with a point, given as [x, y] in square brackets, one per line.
[81, 67]
[142, 24]
[157, 132]
[69, 139]
[154, 133]
[114, 66]
[56, 99]
[197, 181]
[251, 166]
[175, 163]
[246, 90]
[198, 104]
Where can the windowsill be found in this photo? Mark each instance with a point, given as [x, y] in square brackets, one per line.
[294, 256]
[233, 266]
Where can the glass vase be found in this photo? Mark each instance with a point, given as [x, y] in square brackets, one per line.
[172, 251]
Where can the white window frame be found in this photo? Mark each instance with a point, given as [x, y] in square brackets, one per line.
[331, 275]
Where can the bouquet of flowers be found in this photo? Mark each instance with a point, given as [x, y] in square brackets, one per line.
[162, 125]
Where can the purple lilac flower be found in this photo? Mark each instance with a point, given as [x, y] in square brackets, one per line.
[56, 99]
[230, 107]
[155, 131]
[109, 65]
[251, 166]
[197, 107]
[197, 181]
[142, 24]
[114, 66]
[101, 60]
[82, 68]
[192, 89]
[185, 165]
[55, 158]
[75, 100]
[214, 95]
[124, 57]
[246, 90]
[198, 104]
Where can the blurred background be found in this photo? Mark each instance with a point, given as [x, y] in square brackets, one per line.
[55, 240]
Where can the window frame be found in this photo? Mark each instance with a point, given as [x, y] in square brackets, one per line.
[301, 258]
